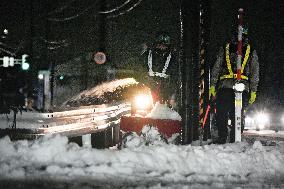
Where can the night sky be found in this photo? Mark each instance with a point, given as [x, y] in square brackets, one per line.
[57, 32]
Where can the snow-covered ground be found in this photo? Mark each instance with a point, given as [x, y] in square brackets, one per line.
[146, 161]
[52, 162]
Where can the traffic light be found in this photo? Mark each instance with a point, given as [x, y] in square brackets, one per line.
[25, 64]
[5, 61]
[12, 61]
[8, 61]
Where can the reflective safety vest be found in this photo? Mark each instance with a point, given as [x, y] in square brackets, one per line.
[158, 74]
[231, 75]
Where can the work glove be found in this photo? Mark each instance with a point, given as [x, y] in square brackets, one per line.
[252, 97]
[212, 92]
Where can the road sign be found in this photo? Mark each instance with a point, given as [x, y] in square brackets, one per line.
[100, 58]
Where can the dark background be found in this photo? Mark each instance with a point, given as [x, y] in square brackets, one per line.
[61, 32]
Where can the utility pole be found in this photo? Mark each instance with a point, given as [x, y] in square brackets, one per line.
[190, 70]
[204, 80]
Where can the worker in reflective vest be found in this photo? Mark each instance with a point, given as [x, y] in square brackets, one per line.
[162, 70]
[223, 78]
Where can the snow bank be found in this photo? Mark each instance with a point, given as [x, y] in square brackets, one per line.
[53, 157]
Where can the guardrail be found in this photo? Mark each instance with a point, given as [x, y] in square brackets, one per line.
[87, 121]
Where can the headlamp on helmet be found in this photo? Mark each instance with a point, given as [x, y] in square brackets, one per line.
[164, 39]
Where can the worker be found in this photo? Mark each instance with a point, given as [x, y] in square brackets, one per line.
[162, 70]
[223, 78]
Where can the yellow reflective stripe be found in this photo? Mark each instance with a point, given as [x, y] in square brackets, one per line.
[244, 77]
[246, 58]
[226, 76]
[233, 76]
[229, 66]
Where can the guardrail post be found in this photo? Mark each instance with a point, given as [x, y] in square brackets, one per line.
[86, 141]
[116, 134]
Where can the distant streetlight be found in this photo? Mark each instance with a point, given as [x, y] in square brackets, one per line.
[5, 31]
[4, 34]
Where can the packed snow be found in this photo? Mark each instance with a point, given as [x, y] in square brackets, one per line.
[161, 111]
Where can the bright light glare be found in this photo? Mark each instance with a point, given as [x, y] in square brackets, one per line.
[229, 122]
[282, 119]
[25, 66]
[143, 102]
[262, 119]
[40, 76]
[248, 121]
[239, 87]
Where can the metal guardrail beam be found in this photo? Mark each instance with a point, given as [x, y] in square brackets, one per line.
[84, 120]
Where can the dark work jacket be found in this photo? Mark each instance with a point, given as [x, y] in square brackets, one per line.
[168, 86]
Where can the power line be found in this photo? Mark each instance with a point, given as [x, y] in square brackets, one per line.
[116, 8]
[73, 16]
[127, 10]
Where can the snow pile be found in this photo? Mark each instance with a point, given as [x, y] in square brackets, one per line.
[149, 136]
[132, 140]
[162, 111]
[152, 136]
[257, 146]
[214, 166]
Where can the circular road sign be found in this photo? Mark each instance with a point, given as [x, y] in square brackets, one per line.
[100, 58]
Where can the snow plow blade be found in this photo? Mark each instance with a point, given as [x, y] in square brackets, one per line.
[167, 127]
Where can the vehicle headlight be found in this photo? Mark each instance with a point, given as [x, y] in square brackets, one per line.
[142, 103]
[262, 119]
